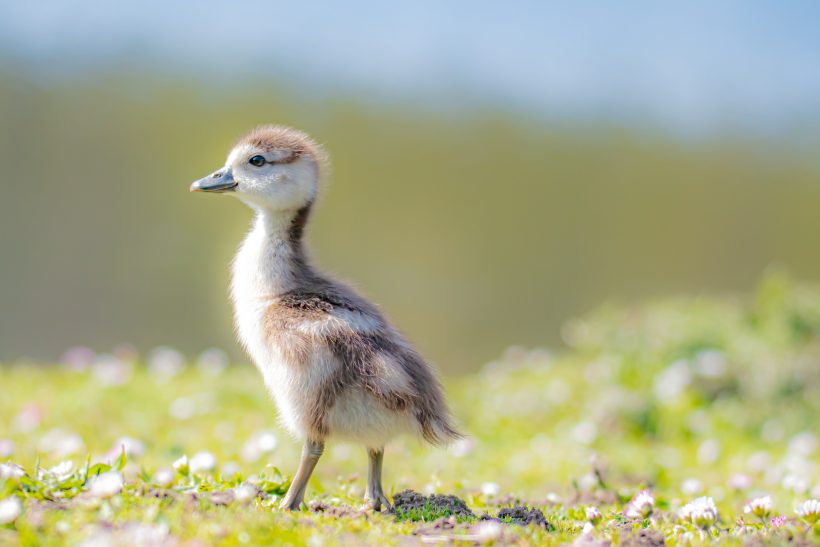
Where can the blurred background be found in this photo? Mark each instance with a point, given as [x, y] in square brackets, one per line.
[497, 170]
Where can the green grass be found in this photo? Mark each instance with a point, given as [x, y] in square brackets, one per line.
[683, 397]
[428, 513]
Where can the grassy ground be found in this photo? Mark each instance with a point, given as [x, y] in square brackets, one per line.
[682, 398]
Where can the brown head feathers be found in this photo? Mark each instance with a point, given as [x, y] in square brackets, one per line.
[279, 137]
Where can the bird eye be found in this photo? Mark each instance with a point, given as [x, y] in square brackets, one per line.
[257, 161]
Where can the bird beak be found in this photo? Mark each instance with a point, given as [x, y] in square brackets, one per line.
[218, 181]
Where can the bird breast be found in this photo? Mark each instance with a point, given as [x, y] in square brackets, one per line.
[292, 342]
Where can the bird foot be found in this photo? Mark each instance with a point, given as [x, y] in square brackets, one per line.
[290, 504]
[376, 500]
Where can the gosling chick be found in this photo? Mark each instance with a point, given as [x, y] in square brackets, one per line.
[333, 364]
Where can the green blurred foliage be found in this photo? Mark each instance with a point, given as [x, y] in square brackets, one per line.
[472, 230]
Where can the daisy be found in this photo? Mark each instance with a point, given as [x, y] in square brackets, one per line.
[701, 512]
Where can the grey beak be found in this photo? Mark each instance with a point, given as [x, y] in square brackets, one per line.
[218, 181]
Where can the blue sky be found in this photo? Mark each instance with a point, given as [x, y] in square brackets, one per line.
[687, 66]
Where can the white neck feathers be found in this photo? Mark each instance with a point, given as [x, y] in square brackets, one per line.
[266, 264]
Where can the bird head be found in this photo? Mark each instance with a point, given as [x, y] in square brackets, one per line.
[273, 167]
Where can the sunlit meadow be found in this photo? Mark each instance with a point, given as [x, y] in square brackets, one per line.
[679, 421]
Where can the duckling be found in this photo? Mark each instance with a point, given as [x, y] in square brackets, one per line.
[333, 364]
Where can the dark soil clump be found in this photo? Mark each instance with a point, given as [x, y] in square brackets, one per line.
[410, 505]
[522, 516]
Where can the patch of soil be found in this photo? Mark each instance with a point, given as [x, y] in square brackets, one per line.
[645, 537]
[440, 525]
[222, 498]
[409, 502]
[336, 510]
[522, 516]
[596, 497]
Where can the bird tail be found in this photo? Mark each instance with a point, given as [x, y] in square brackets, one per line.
[440, 431]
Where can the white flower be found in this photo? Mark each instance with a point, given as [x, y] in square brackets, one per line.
[98, 538]
[700, 512]
[739, 481]
[809, 510]
[796, 483]
[78, 358]
[107, 484]
[672, 381]
[165, 362]
[262, 442]
[759, 461]
[588, 482]
[182, 408]
[803, 444]
[584, 433]
[593, 514]
[229, 470]
[488, 530]
[181, 465]
[245, 492]
[134, 448]
[10, 509]
[490, 489]
[708, 452]
[110, 371]
[10, 471]
[142, 534]
[164, 477]
[212, 361]
[640, 506]
[6, 448]
[691, 487]
[29, 417]
[461, 447]
[202, 461]
[63, 470]
[61, 443]
[759, 507]
[126, 353]
[710, 364]
[558, 391]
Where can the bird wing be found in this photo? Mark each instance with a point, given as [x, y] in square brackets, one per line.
[372, 355]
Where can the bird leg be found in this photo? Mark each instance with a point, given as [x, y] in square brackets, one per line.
[375, 495]
[311, 453]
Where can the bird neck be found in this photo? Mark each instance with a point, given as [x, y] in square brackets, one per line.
[283, 227]
[281, 257]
